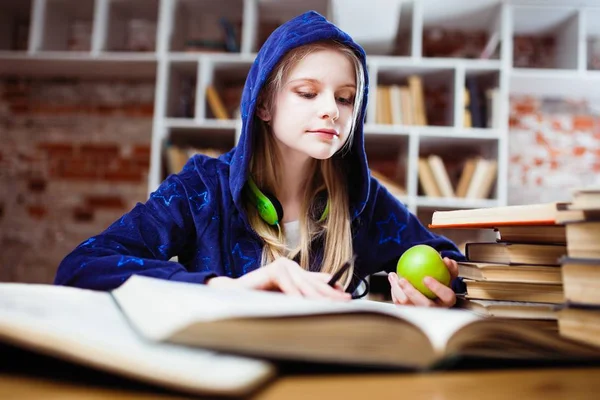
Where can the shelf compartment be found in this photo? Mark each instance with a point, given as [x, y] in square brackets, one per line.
[463, 30]
[391, 31]
[14, 25]
[482, 100]
[459, 170]
[435, 86]
[132, 25]
[183, 142]
[271, 14]
[181, 90]
[68, 25]
[207, 26]
[388, 157]
[228, 80]
[545, 37]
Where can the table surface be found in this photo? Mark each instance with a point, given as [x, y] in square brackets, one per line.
[545, 383]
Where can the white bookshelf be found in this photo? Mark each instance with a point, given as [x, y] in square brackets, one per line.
[572, 23]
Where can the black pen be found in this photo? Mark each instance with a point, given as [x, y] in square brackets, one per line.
[341, 271]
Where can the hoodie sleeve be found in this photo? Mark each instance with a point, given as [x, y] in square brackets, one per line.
[143, 240]
[391, 229]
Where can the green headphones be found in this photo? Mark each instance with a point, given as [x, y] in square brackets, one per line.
[269, 208]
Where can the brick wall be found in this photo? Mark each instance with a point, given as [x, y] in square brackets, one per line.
[554, 147]
[74, 156]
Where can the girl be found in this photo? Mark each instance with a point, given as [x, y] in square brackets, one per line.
[289, 205]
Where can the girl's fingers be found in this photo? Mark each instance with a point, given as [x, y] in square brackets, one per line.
[285, 283]
[446, 295]
[417, 298]
[398, 295]
[452, 267]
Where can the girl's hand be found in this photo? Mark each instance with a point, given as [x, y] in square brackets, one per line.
[286, 276]
[403, 293]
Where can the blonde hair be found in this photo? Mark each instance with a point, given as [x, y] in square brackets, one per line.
[324, 175]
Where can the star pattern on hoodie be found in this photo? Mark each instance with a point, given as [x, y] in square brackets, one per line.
[166, 193]
[390, 230]
[124, 260]
[199, 200]
[248, 261]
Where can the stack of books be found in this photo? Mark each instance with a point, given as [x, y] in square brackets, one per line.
[519, 275]
[579, 318]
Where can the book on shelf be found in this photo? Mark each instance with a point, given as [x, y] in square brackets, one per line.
[215, 103]
[491, 46]
[493, 217]
[515, 253]
[417, 94]
[58, 321]
[496, 272]
[279, 327]
[493, 106]
[178, 156]
[466, 176]
[515, 291]
[482, 179]
[406, 104]
[467, 120]
[440, 174]
[427, 179]
[395, 105]
[476, 108]
[509, 309]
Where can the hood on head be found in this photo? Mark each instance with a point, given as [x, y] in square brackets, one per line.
[304, 29]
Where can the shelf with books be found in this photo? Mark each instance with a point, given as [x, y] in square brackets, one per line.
[130, 26]
[459, 29]
[64, 25]
[545, 37]
[181, 143]
[387, 156]
[181, 90]
[460, 171]
[224, 90]
[205, 26]
[414, 96]
[482, 100]
[14, 25]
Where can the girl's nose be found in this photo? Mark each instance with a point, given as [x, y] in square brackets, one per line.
[329, 108]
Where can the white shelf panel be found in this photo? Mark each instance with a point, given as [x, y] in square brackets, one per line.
[454, 202]
[433, 63]
[80, 65]
[188, 123]
[555, 83]
[433, 131]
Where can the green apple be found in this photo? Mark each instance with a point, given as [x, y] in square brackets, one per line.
[420, 261]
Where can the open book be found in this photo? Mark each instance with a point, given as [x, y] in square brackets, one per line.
[86, 327]
[276, 326]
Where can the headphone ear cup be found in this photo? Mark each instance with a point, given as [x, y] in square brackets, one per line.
[269, 208]
[276, 205]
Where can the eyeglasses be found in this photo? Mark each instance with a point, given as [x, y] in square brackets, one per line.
[336, 277]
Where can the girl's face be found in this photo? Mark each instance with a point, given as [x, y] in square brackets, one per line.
[312, 112]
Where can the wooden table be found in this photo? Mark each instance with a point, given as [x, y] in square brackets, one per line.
[546, 384]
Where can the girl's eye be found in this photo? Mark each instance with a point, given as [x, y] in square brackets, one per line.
[346, 100]
[307, 95]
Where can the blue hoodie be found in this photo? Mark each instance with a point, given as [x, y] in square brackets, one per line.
[198, 214]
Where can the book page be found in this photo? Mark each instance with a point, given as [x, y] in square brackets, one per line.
[159, 308]
[86, 326]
